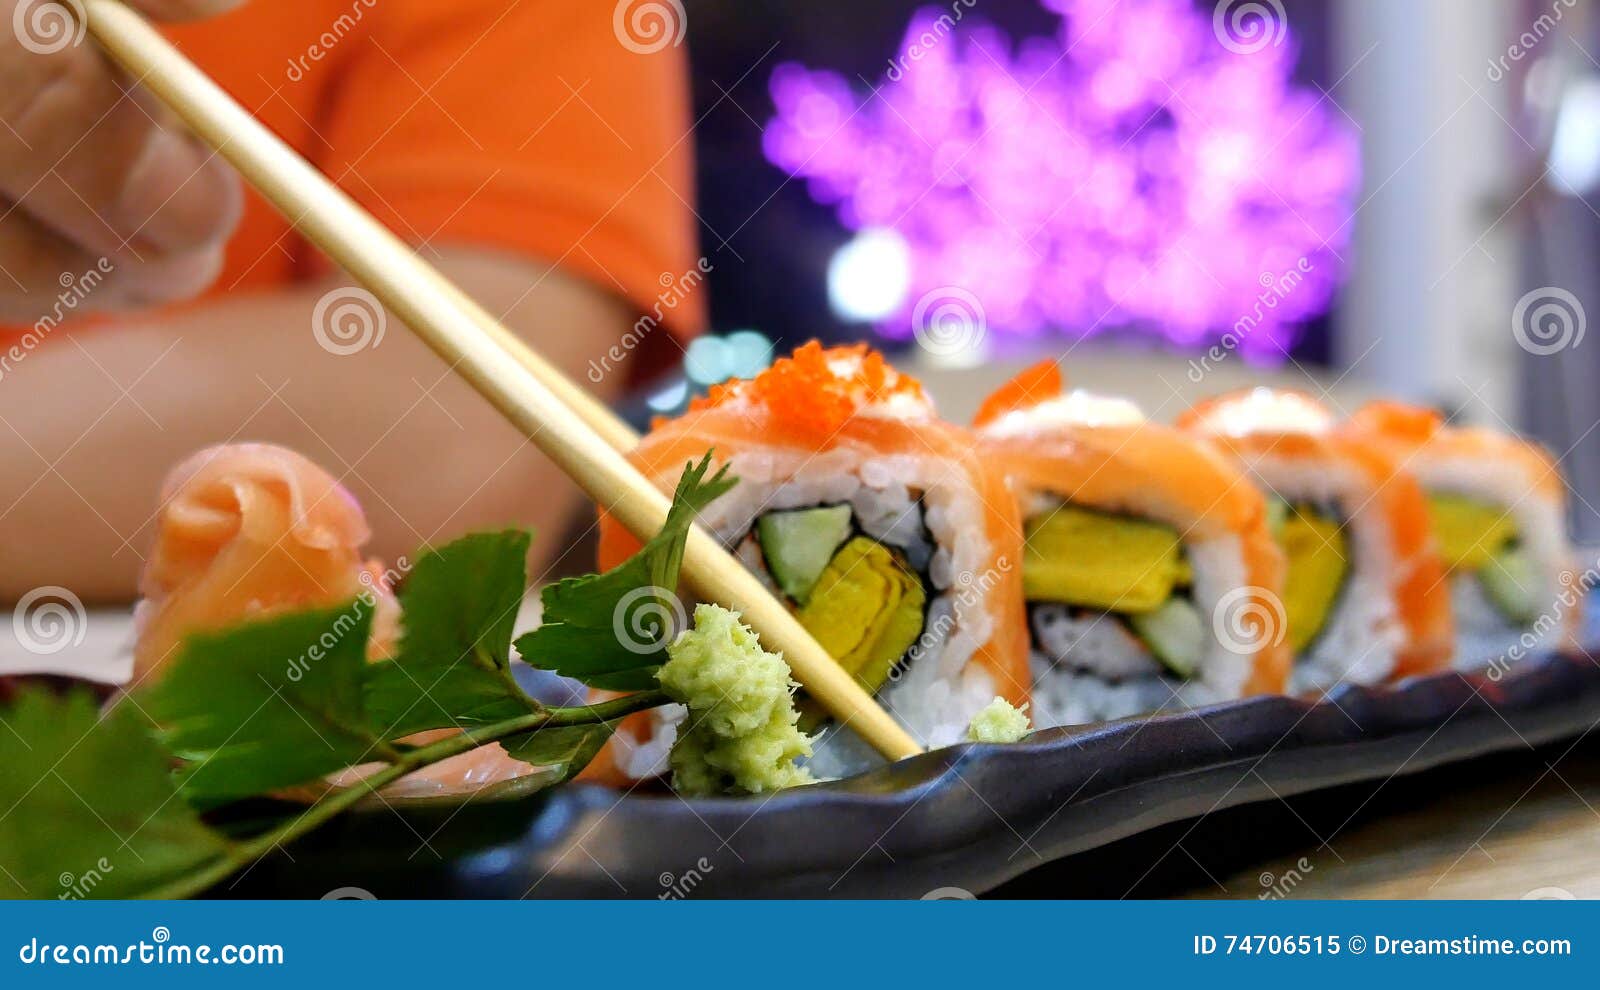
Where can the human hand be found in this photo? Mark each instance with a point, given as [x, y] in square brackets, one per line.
[96, 176]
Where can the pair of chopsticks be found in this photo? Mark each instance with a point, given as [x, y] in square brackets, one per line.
[583, 437]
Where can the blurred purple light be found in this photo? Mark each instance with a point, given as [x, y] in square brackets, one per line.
[1132, 173]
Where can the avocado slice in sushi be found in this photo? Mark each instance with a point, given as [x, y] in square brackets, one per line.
[1510, 579]
[866, 610]
[799, 543]
[1318, 563]
[1175, 633]
[1470, 533]
[1077, 556]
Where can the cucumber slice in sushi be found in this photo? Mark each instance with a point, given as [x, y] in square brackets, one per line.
[1175, 633]
[1510, 579]
[798, 544]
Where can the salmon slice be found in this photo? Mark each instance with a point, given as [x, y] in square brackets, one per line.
[1420, 435]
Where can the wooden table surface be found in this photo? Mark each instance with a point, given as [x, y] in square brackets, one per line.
[1521, 825]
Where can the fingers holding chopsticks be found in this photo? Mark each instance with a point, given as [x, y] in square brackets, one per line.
[92, 167]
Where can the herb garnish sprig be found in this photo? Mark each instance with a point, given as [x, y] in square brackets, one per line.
[278, 704]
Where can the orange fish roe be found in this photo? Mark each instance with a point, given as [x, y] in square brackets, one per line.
[816, 390]
[1400, 421]
[1034, 385]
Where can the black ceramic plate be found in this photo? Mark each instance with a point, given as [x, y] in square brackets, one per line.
[964, 819]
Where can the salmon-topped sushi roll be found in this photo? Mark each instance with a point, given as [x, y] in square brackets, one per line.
[880, 526]
[1499, 508]
[1364, 593]
[1149, 570]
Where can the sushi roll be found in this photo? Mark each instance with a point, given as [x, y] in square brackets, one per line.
[1364, 594]
[1149, 570]
[878, 524]
[1499, 509]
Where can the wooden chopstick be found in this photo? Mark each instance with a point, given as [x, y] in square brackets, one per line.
[583, 438]
[597, 415]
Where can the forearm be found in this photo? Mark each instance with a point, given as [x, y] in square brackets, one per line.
[90, 424]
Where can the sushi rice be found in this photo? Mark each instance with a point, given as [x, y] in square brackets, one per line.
[1361, 638]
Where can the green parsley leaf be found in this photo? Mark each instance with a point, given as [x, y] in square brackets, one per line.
[567, 749]
[269, 704]
[88, 806]
[453, 667]
[610, 630]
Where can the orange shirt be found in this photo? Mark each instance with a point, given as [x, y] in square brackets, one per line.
[525, 126]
